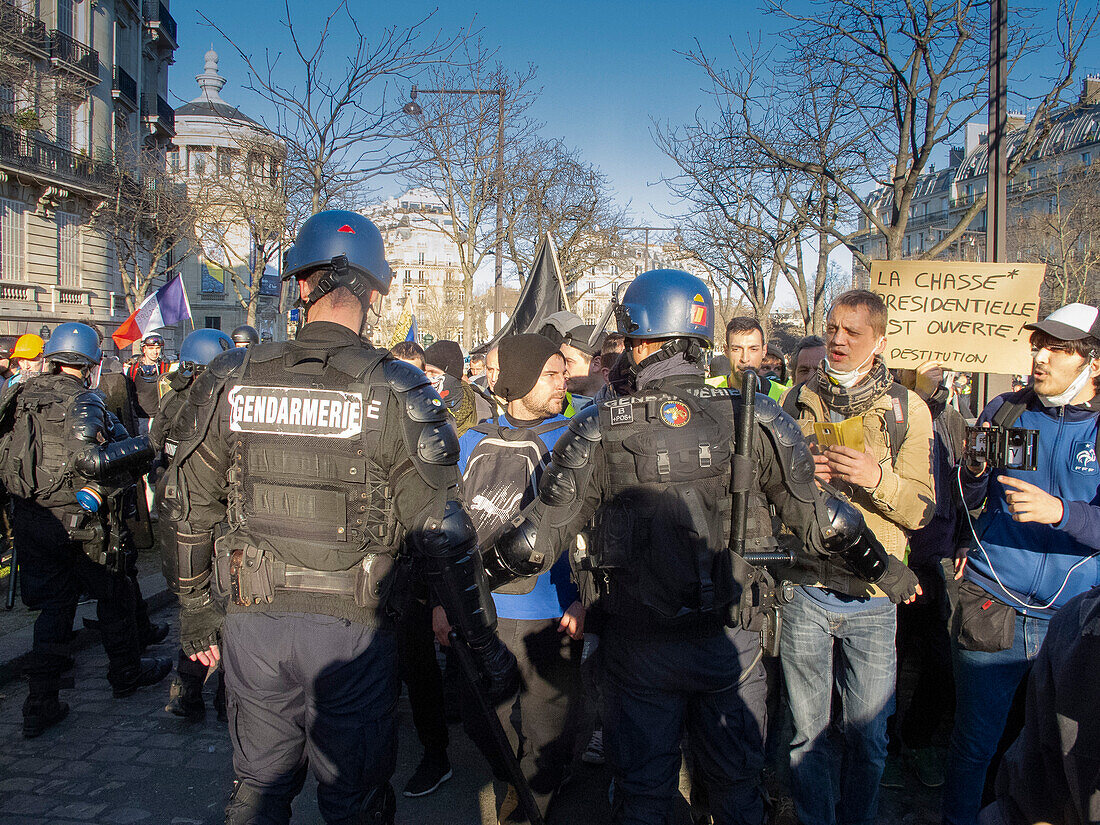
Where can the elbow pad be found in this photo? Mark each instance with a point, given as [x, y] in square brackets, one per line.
[514, 555]
[134, 455]
[856, 546]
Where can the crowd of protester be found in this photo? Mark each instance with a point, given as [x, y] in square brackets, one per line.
[863, 694]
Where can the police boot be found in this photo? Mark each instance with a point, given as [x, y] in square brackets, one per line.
[40, 712]
[147, 671]
[153, 634]
[185, 694]
[379, 807]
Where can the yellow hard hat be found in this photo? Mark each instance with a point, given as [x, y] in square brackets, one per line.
[28, 346]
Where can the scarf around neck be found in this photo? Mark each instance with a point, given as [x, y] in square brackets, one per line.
[852, 401]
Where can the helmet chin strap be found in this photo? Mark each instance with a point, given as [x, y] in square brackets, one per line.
[691, 348]
[339, 275]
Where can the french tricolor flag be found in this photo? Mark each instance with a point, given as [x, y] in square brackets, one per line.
[167, 306]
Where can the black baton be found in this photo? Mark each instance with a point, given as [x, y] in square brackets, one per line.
[500, 738]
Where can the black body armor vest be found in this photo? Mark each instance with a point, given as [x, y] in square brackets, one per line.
[663, 532]
[305, 482]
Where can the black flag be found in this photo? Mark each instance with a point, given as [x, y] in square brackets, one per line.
[543, 294]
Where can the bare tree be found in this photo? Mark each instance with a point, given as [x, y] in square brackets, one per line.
[1059, 226]
[241, 214]
[902, 78]
[551, 189]
[147, 220]
[333, 105]
[456, 140]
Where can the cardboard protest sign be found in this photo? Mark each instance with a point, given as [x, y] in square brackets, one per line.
[968, 316]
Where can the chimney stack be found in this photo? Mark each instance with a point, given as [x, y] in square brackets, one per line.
[1090, 90]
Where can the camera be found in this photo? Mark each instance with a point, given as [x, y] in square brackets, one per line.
[1012, 448]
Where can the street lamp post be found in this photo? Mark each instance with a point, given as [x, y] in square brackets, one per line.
[413, 109]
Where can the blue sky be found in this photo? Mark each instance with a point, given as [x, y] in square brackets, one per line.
[606, 67]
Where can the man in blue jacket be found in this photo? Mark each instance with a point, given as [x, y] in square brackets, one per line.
[541, 618]
[1034, 546]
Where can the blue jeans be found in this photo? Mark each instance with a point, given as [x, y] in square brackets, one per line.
[865, 678]
[985, 684]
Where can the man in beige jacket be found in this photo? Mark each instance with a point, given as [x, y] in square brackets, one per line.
[893, 489]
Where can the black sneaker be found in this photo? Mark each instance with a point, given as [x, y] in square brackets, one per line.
[149, 672]
[39, 714]
[185, 700]
[433, 771]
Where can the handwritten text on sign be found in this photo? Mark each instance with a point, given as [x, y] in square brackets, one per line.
[968, 316]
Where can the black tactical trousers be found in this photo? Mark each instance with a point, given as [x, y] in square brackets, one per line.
[543, 722]
[419, 670]
[307, 691]
[54, 571]
[656, 686]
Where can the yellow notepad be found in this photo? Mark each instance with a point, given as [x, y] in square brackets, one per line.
[847, 433]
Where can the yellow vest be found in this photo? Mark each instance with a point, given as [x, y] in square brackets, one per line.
[774, 389]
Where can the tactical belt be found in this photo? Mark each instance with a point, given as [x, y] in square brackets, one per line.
[334, 582]
[253, 577]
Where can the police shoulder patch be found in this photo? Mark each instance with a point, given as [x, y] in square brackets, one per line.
[675, 413]
[302, 411]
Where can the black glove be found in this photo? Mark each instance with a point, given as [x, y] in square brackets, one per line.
[200, 626]
[900, 583]
[498, 669]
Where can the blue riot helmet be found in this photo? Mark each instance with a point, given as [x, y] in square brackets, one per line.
[74, 345]
[349, 246]
[667, 304]
[200, 348]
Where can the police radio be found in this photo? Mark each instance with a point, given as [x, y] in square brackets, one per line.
[1012, 448]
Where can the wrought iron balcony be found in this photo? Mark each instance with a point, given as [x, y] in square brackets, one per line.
[158, 113]
[124, 87]
[22, 153]
[161, 25]
[22, 31]
[69, 53]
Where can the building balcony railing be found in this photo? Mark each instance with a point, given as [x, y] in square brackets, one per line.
[161, 24]
[15, 291]
[23, 31]
[124, 87]
[34, 156]
[69, 53]
[158, 113]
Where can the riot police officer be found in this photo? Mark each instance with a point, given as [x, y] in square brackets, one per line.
[245, 336]
[199, 348]
[67, 463]
[322, 462]
[659, 471]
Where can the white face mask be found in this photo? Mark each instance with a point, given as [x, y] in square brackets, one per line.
[437, 382]
[1069, 393]
[849, 378]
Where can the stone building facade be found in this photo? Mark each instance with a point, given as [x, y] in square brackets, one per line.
[81, 83]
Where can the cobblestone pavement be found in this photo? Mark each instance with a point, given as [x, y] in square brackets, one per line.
[119, 761]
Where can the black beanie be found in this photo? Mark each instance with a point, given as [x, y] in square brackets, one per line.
[522, 358]
[447, 356]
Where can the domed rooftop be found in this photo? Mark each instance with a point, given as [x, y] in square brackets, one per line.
[209, 102]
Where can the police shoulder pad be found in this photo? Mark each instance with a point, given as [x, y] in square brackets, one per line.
[226, 364]
[401, 375]
[586, 423]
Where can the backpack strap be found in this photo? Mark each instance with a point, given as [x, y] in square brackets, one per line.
[1012, 407]
[790, 400]
[897, 420]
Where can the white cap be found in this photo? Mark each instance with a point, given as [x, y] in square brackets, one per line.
[1070, 323]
